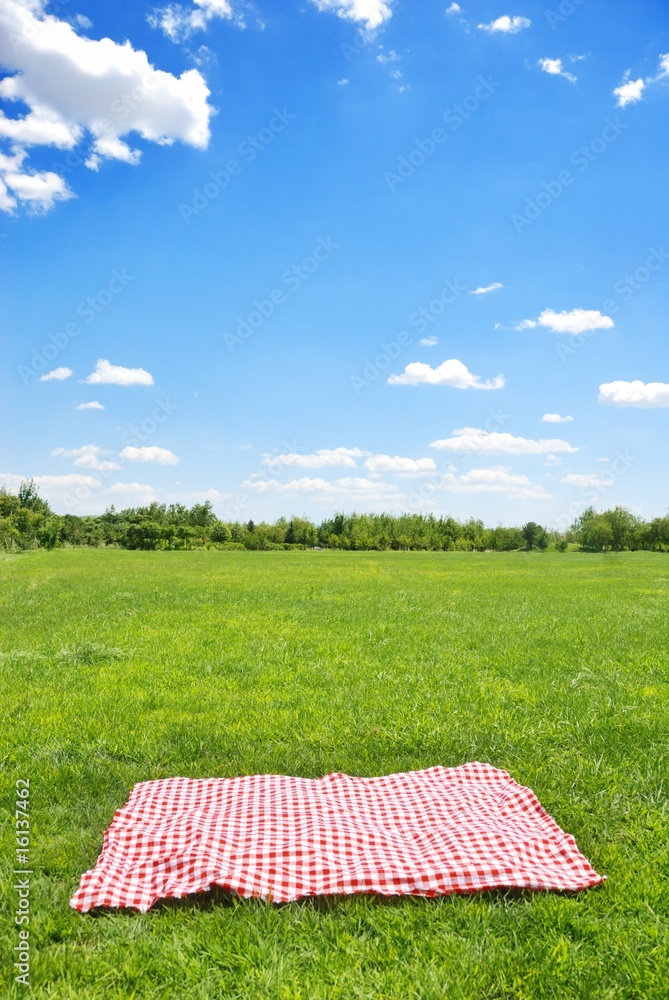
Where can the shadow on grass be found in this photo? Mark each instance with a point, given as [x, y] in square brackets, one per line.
[217, 898]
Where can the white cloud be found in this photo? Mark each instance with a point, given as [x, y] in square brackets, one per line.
[89, 456]
[644, 395]
[77, 89]
[629, 91]
[140, 493]
[344, 82]
[58, 374]
[555, 68]
[555, 418]
[428, 342]
[473, 440]
[387, 463]
[93, 405]
[454, 8]
[507, 25]
[588, 479]
[451, 373]
[179, 22]
[387, 57]
[322, 459]
[553, 460]
[108, 374]
[486, 289]
[149, 453]
[370, 13]
[351, 491]
[576, 321]
[49, 484]
[632, 91]
[498, 479]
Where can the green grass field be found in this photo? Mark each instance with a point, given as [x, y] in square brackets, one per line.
[119, 667]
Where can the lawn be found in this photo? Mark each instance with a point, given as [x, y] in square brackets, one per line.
[119, 667]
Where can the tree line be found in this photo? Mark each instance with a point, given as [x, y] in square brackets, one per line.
[27, 522]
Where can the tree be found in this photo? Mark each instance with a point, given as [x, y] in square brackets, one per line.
[535, 536]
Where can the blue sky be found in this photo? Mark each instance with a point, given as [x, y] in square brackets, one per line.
[231, 226]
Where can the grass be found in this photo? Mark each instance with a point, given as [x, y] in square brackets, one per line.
[118, 667]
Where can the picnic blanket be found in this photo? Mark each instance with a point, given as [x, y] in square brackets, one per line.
[432, 832]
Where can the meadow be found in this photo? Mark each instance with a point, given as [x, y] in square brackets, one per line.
[119, 667]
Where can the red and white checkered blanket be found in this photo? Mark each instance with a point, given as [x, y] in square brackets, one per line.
[426, 833]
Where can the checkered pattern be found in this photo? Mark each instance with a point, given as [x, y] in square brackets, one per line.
[424, 833]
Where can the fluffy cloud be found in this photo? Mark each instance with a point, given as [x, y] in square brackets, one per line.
[350, 491]
[596, 479]
[576, 321]
[473, 440]
[507, 25]
[179, 22]
[486, 289]
[388, 463]
[555, 418]
[644, 395]
[89, 456]
[451, 373]
[79, 89]
[108, 374]
[370, 13]
[93, 405]
[454, 8]
[498, 479]
[58, 374]
[629, 91]
[555, 68]
[149, 453]
[322, 459]
[140, 493]
[428, 342]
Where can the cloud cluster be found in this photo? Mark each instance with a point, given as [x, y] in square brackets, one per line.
[108, 374]
[58, 374]
[179, 22]
[643, 395]
[576, 321]
[555, 67]
[451, 373]
[89, 456]
[370, 13]
[498, 479]
[475, 441]
[506, 25]
[596, 479]
[555, 418]
[321, 459]
[81, 90]
[631, 91]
